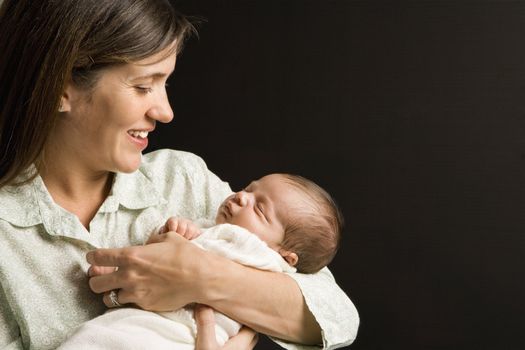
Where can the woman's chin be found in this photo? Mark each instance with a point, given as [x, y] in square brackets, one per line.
[130, 165]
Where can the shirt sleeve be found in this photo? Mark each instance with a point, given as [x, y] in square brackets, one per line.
[333, 310]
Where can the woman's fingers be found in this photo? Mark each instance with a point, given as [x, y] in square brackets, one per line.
[159, 277]
[205, 320]
[100, 270]
[107, 282]
[110, 257]
[122, 297]
[109, 303]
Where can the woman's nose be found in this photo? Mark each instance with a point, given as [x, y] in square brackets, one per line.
[161, 110]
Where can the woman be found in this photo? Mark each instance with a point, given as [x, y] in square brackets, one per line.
[83, 83]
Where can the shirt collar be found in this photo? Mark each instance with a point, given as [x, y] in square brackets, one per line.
[132, 191]
[19, 206]
[31, 204]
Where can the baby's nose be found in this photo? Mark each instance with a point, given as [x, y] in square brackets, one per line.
[241, 198]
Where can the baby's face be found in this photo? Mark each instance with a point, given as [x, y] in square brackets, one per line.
[261, 208]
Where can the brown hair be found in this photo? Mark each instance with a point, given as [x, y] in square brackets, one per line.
[313, 231]
[45, 44]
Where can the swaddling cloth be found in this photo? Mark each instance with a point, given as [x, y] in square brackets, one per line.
[128, 328]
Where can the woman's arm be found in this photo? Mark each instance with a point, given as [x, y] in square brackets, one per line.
[170, 272]
[292, 307]
[287, 315]
[269, 302]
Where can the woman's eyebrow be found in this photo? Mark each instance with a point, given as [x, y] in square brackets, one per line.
[154, 76]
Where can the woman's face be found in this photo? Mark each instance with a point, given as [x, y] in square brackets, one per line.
[106, 128]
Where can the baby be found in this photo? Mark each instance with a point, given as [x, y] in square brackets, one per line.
[280, 222]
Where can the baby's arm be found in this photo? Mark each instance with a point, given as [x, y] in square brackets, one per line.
[184, 227]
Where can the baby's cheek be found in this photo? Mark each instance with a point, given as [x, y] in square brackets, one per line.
[220, 219]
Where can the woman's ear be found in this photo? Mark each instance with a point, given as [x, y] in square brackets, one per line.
[290, 257]
[65, 99]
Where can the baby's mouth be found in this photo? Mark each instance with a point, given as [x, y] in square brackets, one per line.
[227, 210]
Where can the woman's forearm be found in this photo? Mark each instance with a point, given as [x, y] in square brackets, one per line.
[269, 302]
[170, 272]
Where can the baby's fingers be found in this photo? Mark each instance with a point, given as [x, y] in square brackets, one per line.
[172, 224]
[193, 232]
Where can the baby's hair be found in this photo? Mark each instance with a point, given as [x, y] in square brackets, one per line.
[314, 229]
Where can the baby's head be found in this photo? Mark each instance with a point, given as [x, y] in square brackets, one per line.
[293, 215]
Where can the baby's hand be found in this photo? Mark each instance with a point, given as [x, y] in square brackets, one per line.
[184, 227]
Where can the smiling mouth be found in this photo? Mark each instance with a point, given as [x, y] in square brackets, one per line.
[138, 134]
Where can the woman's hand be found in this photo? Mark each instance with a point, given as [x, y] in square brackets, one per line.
[206, 339]
[171, 272]
[166, 274]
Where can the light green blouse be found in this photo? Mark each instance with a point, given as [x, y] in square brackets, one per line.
[44, 291]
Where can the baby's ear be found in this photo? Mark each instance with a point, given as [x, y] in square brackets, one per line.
[290, 257]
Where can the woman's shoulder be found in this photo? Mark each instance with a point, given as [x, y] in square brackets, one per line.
[185, 182]
[19, 206]
[166, 167]
[171, 160]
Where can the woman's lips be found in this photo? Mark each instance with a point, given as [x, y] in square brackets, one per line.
[140, 142]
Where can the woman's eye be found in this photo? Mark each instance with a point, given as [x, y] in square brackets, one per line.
[143, 89]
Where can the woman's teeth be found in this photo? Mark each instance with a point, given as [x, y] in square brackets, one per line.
[138, 134]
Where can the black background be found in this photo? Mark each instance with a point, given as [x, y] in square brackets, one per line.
[411, 114]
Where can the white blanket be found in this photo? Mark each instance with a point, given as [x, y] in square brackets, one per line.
[128, 328]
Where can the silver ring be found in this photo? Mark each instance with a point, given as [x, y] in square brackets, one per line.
[113, 297]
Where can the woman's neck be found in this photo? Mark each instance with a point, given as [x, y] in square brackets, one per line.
[75, 188]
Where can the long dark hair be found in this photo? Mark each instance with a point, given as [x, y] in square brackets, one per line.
[47, 43]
